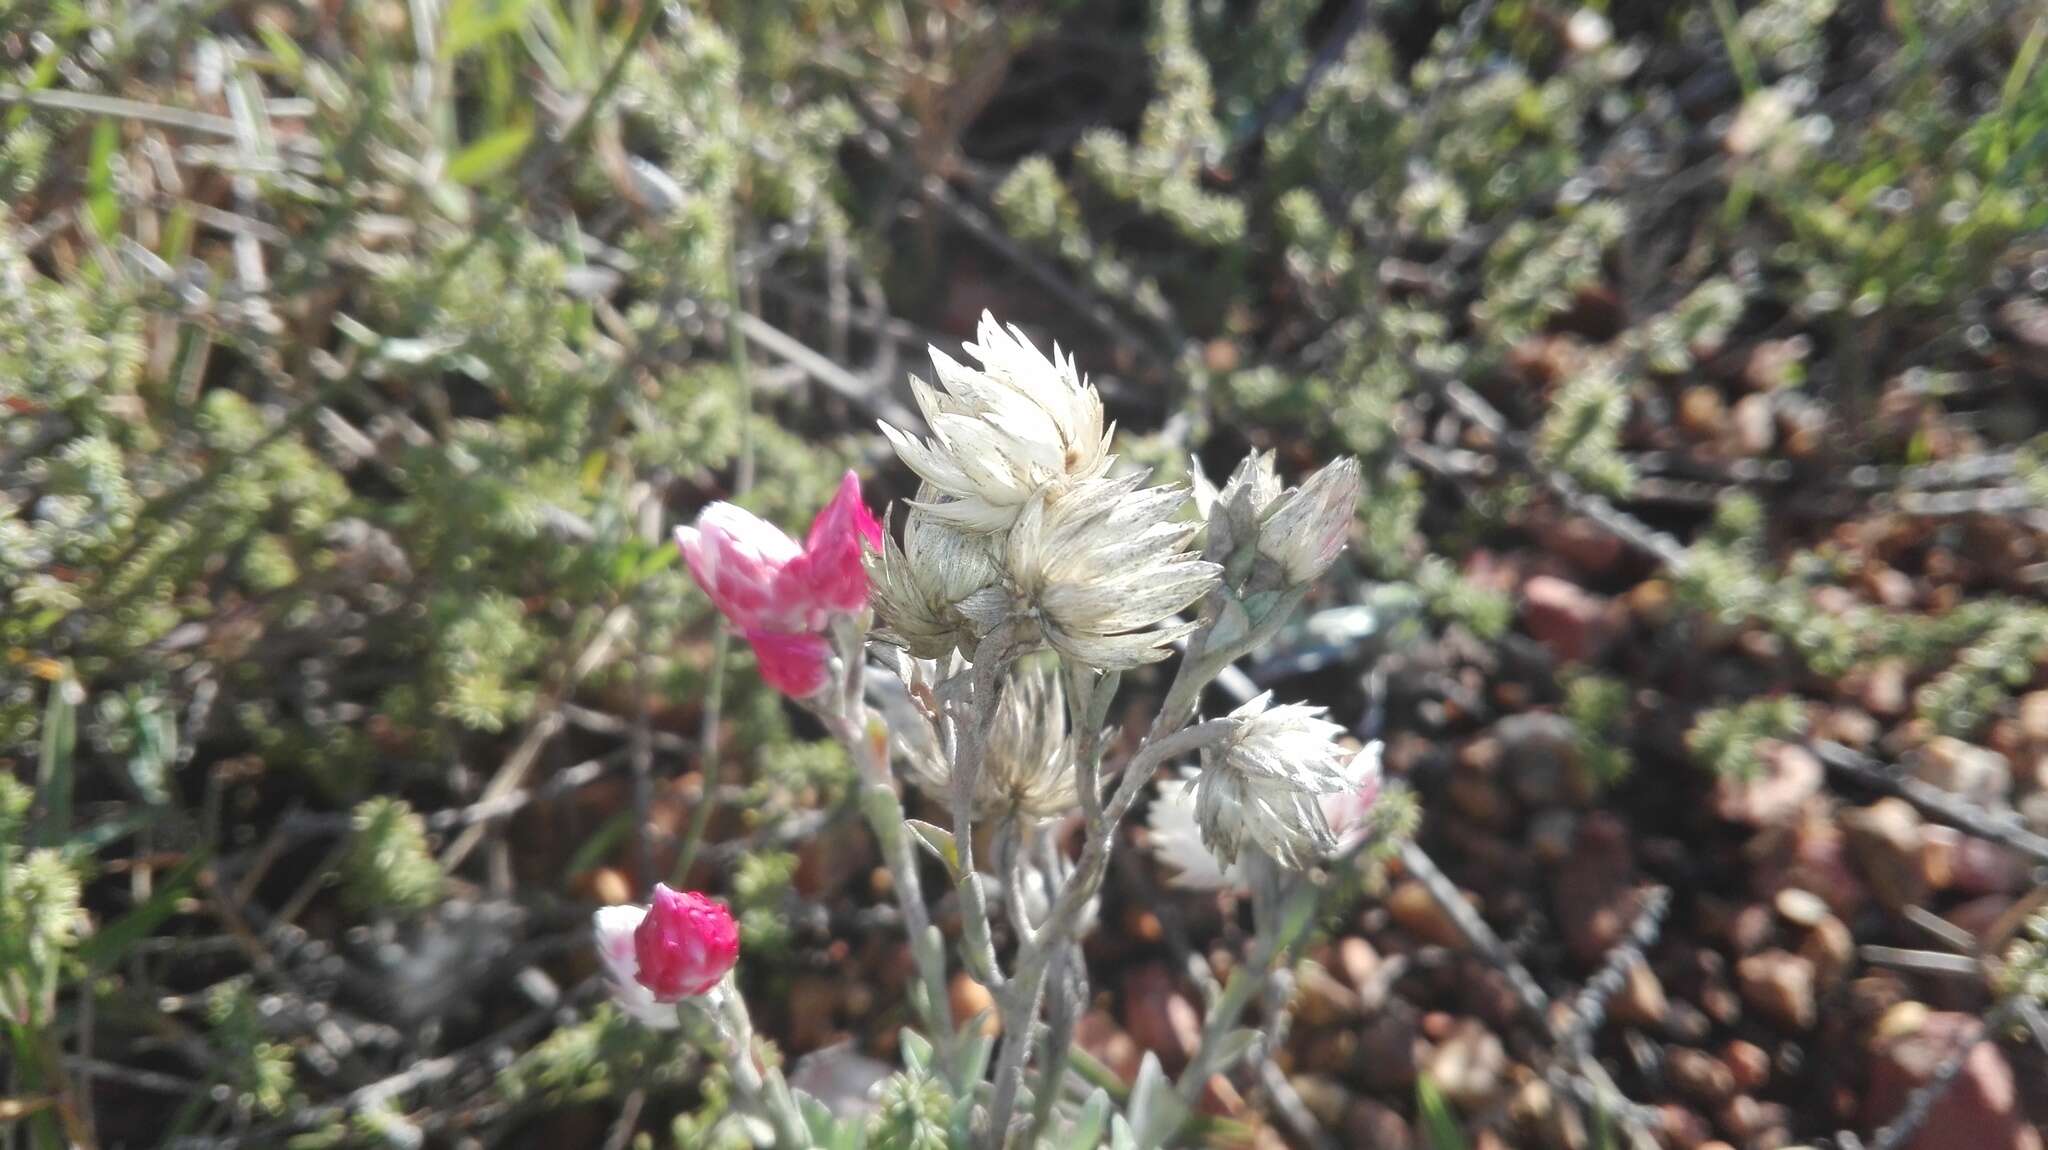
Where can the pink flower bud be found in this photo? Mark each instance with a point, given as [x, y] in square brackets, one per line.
[685, 944]
[738, 558]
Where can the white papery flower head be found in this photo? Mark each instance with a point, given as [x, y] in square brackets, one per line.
[1027, 769]
[1299, 530]
[1002, 433]
[917, 588]
[613, 927]
[1264, 784]
[1102, 566]
[1175, 832]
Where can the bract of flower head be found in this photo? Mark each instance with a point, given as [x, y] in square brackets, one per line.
[782, 596]
[613, 927]
[1175, 837]
[1263, 785]
[1027, 769]
[683, 945]
[1101, 566]
[1306, 527]
[1300, 530]
[919, 585]
[1349, 811]
[1002, 433]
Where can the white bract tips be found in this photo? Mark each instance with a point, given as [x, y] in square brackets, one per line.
[1306, 527]
[918, 586]
[1102, 568]
[1002, 433]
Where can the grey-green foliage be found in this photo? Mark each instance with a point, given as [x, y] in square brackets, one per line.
[1582, 431]
[1726, 739]
[1598, 707]
[388, 867]
[1158, 169]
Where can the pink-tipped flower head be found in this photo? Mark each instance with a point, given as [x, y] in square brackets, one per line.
[684, 945]
[783, 596]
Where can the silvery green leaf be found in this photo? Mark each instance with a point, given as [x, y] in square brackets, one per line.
[917, 1050]
[1086, 1132]
[939, 842]
[974, 1048]
[756, 1128]
[1120, 1135]
[1157, 1113]
[823, 1126]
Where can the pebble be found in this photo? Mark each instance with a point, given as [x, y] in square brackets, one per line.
[1981, 1110]
[1756, 425]
[2033, 717]
[1359, 962]
[1791, 775]
[1698, 1075]
[1325, 1097]
[1701, 412]
[1978, 774]
[1468, 1065]
[1414, 911]
[1322, 1000]
[1564, 617]
[1884, 689]
[1885, 838]
[969, 998]
[1830, 948]
[1800, 907]
[1641, 1001]
[1372, 1125]
[1779, 986]
[1748, 1064]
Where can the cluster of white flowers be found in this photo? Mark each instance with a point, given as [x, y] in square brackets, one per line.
[1017, 523]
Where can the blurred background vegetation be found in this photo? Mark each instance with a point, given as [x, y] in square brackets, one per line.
[356, 359]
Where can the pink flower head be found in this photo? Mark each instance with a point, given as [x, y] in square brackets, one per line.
[684, 945]
[780, 595]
